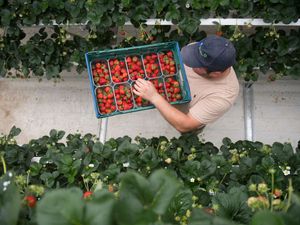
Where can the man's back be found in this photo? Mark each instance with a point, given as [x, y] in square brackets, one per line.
[211, 98]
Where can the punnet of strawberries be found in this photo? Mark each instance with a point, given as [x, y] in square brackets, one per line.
[135, 67]
[118, 70]
[100, 73]
[151, 65]
[167, 62]
[173, 89]
[123, 97]
[106, 102]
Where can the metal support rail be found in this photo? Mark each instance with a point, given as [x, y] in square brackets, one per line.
[248, 110]
[203, 22]
[103, 130]
[221, 21]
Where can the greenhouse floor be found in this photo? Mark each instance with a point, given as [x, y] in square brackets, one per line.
[39, 106]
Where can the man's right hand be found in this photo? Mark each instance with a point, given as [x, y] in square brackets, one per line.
[146, 90]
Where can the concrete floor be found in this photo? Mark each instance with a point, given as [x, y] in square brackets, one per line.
[37, 107]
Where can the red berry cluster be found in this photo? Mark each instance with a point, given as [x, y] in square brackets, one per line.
[123, 97]
[167, 62]
[173, 89]
[135, 67]
[30, 200]
[151, 65]
[106, 100]
[159, 85]
[100, 73]
[118, 70]
[141, 102]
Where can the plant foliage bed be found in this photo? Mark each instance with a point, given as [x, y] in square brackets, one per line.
[147, 181]
[55, 49]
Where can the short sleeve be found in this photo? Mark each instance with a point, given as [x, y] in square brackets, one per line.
[210, 109]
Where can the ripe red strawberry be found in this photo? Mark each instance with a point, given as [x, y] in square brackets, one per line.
[87, 194]
[140, 102]
[31, 200]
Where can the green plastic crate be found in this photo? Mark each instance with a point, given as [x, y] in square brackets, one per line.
[141, 52]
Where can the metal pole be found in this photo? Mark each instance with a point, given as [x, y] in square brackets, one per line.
[103, 130]
[248, 110]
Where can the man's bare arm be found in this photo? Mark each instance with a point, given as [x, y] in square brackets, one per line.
[180, 121]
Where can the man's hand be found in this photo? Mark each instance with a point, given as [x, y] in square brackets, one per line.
[180, 121]
[146, 90]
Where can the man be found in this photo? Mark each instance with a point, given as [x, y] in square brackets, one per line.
[212, 80]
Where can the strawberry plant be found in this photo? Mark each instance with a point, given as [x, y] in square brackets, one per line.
[173, 89]
[135, 67]
[100, 73]
[118, 70]
[167, 62]
[123, 97]
[105, 98]
[151, 65]
[238, 183]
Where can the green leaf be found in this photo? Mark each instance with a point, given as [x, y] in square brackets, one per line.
[10, 201]
[100, 208]
[181, 202]
[126, 3]
[52, 71]
[14, 132]
[35, 169]
[126, 151]
[160, 5]
[165, 187]
[224, 2]
[274, 1]
[6, 17]
[200, 217]
[172, 13]
[189, 25]
[135, 199]
[142, 201]
[292, 215]
[282, 152]
[67, 159]
[61, 207]
[87, 159]
[98, 148]
[60, 134]
[233, 205]
[266, 218]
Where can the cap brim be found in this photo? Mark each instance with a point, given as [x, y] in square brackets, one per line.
[191, 56]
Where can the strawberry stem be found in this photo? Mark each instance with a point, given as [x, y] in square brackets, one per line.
[3, 164]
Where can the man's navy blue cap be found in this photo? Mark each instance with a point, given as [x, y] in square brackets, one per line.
[213, 52]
